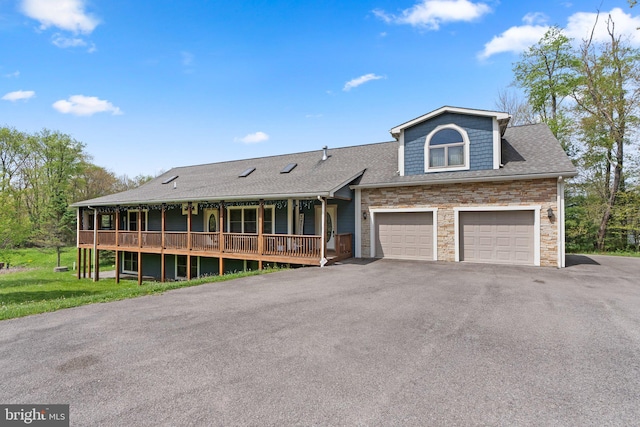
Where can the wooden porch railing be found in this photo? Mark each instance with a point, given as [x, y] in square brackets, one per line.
[175, 240]
[291, 245]
[285, 245]
[241, 243]
[205, 242]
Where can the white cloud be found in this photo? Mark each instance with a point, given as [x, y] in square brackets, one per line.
[15, 74]
[67, 15]
[515, 39]
[253, 138]
[18, 95]
[431, 13]
[581, 24]
[65, 42]
[533, 18]
[360, 80]
[81, 105]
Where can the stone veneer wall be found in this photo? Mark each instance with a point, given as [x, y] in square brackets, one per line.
[446, 197]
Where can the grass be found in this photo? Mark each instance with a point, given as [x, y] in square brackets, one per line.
[34, 287]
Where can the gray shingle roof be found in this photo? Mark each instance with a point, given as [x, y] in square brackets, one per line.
[527, 151]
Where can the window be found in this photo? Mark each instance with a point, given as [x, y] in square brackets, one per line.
[181, 266]
[447, 147]
[130, 261]
[132, 220]
[245, 220]
[106, 222]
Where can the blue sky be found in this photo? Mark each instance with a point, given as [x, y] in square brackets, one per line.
[152, 84]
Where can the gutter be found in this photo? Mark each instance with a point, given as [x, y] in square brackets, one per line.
[283, 196]
[464, 180]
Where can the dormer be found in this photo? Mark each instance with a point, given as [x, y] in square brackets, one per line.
[450, 139]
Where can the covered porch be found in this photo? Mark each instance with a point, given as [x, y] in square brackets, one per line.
[104, 228]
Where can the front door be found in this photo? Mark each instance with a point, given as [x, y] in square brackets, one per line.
[211, 220]
[332, 225]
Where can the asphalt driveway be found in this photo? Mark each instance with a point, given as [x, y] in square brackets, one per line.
[378, 343]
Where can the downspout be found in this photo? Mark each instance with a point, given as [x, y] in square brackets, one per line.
[95, 242]
[561, 225]
[323, 232]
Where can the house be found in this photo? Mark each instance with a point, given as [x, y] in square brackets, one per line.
[456, 184]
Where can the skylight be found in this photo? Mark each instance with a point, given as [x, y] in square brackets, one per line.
[246, 173]
[168, 180]
[289, 168]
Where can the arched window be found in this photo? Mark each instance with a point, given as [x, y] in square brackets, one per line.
[447, 147]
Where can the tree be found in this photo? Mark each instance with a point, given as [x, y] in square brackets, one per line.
[58, 162]
[519, 109]
[546, 73]
[608, 99]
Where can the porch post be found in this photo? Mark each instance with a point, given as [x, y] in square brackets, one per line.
[78, 257]
[221, 238]
[84, 263]
[90, 260]
[139, 268]
[189, 219]
[323, 230]
[117, 226]
[163, 266]
[117, 266]
[260, 233]
[97, 266]
[117, 254]
[95, 245]
[139, 227]
[221, 228]
[289, 216]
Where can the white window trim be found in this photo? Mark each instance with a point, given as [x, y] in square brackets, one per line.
[146, 218]
[374, 211]
[536, 224]
[273, 217]
[465, 139]
[122, 260]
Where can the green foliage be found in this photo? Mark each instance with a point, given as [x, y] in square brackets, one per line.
[580, 228]
[603, 82]
[546, 73]
[41, 174]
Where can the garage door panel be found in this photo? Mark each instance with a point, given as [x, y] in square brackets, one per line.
[404, 235]
[497, 236]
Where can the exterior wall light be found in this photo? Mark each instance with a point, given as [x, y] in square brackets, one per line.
[364, 214]
[550, 213]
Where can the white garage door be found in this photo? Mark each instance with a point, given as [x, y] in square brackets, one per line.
[502, 237]
[404, 235]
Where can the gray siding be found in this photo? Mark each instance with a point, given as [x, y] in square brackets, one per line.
[344, 193]
[479, 129]
[151, 264]
[281, 220]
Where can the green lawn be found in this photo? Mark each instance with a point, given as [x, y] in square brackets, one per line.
[34, 288]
